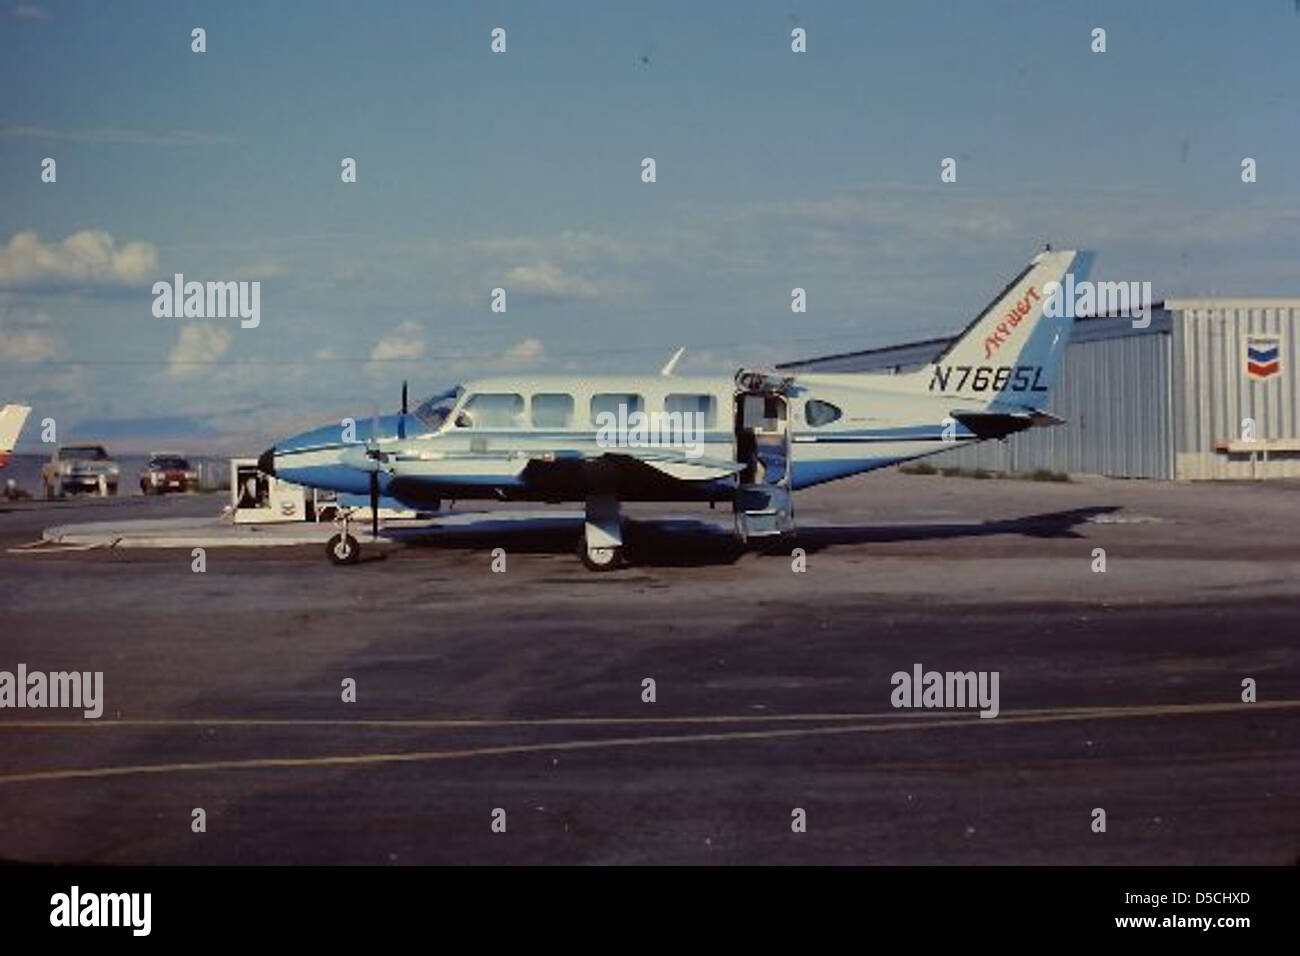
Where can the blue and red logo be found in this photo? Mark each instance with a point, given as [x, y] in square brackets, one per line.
[1263, 356]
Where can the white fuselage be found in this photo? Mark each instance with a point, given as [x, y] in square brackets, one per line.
[480, 445]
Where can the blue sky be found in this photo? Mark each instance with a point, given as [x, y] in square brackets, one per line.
[522, 170]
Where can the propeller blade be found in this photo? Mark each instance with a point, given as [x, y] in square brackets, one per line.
[401, 419]
[374, 504]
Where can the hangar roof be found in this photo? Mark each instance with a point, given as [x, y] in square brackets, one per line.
[1183, 305]
[1087, 328]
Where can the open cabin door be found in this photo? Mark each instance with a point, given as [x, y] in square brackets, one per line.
[763, 506]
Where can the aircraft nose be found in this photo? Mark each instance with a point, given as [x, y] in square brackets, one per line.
[266, 461]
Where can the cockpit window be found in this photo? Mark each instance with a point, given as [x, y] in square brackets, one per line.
[492, 410]
[435, 411]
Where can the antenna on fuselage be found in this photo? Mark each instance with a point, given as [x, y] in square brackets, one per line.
[668, 369]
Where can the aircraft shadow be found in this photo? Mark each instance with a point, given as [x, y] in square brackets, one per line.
[697, 543]
[1050, 524]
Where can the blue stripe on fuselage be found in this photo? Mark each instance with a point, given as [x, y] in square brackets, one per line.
[809, 473]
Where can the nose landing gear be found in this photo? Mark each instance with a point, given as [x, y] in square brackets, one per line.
[342, 548]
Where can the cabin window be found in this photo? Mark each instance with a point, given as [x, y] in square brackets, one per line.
[704, 405]
[612, 402]
[552, 410]
[817, 413]
[492, 410]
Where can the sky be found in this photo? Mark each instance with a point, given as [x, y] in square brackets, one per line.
[523, 170]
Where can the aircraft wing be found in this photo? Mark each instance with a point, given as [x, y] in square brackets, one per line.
[515, 466]
[675, 464]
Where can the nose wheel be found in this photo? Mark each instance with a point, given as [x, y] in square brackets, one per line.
[343, 549]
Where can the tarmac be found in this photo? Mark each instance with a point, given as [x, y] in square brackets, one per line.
[522, 691]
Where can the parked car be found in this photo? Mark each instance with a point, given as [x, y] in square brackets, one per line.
[168, 471]
[75, 468]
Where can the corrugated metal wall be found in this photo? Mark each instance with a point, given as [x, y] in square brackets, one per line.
[1144, 403]
[1115, 395]
[1213, 392]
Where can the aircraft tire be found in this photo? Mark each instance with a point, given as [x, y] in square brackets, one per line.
[343, 549]
[604, 559]
[779, 545]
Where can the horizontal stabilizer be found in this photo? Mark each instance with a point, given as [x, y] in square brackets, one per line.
[1001, 424]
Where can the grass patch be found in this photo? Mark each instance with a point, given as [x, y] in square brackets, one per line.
[920, 468]
[983, 474]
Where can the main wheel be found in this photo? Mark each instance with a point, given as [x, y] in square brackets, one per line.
[600, 559]
[780, 544]
[343, 549]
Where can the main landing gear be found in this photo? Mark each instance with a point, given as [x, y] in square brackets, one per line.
[601, 547]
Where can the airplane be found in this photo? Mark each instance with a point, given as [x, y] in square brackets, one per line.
[751, 440]
[12, 418]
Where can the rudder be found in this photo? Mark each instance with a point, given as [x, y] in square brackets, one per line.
[1011, 353]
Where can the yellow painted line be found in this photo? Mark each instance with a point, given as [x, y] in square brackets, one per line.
[418, 723]
[356, 760]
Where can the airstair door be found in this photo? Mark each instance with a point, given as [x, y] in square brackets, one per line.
[763, 506]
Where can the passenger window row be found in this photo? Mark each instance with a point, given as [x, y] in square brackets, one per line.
[556, 409]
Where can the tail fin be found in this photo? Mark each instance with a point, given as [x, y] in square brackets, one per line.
[12, 418]
[1011, 354]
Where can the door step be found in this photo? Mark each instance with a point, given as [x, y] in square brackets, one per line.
[763, 511]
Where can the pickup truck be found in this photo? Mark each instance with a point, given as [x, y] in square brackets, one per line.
[76, 468]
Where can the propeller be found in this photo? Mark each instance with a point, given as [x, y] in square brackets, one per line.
[401, 419]
[373, 452]
[374, 504]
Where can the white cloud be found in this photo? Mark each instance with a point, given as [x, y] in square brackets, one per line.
[197, 344]
[576, 246]
[22, 333]
[406, 342]
[547, 279]
[26, 345]
[88, 256]
[525, 352]
[261, 269]
[29, 11]
[111, 136]
[521, 353]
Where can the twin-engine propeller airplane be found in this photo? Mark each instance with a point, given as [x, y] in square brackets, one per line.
[750, 440]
